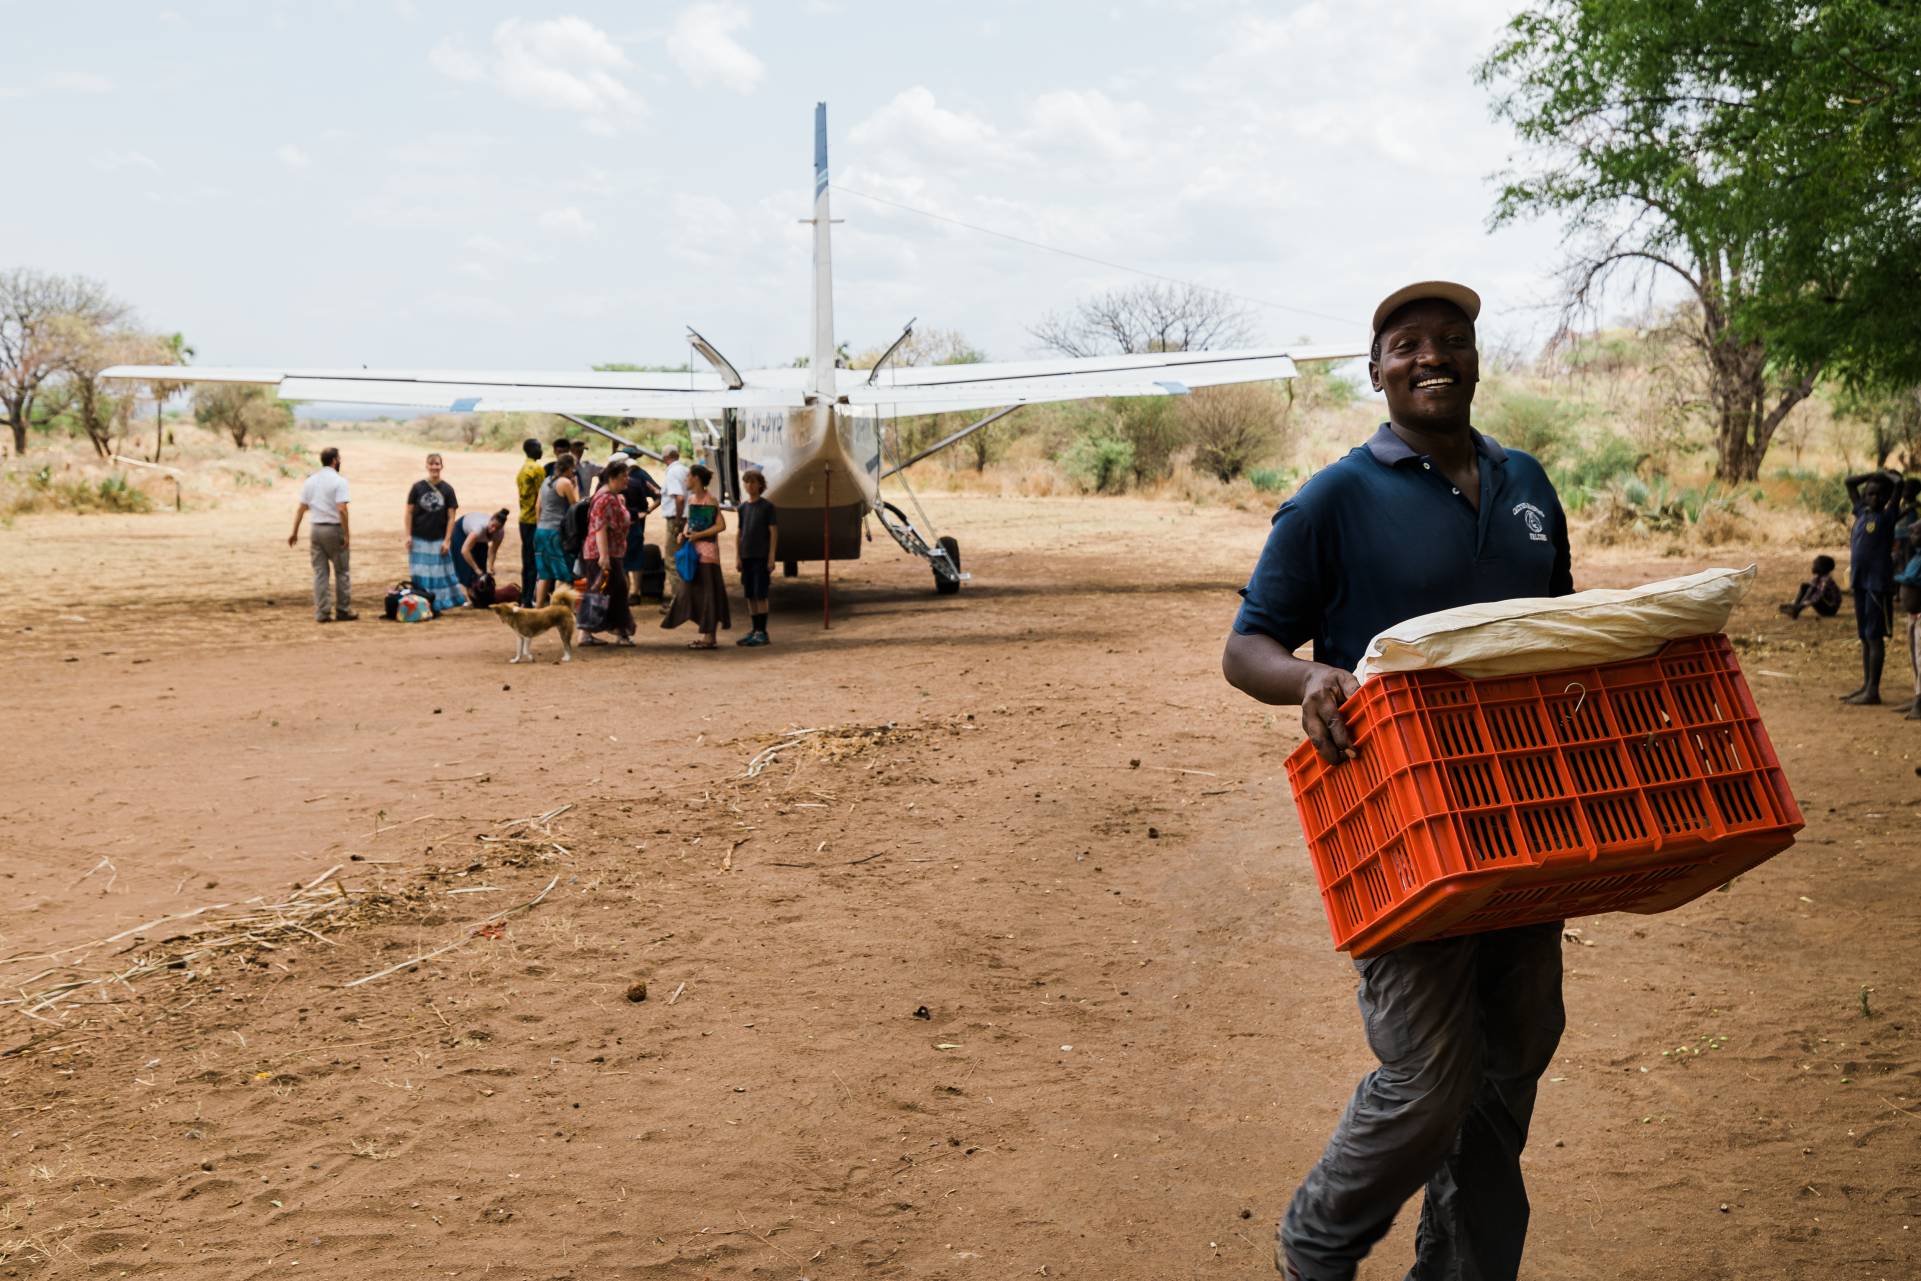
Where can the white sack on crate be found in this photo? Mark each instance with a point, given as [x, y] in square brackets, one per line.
[1541, 634]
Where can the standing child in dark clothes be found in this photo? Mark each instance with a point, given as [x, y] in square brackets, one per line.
[757, 536]
[1871, 575]
[1907, 585]
[1820, 593]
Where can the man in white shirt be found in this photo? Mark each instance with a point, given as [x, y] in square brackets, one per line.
[324, 496]
[673, 506]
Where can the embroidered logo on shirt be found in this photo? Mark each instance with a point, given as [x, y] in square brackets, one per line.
[1534, 518]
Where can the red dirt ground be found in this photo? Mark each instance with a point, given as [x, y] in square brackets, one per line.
[1137, 1036]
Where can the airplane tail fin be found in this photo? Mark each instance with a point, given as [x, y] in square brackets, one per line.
[822, 360]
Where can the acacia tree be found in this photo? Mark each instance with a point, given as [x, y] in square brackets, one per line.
[102, 411]
[241, 410]
[40, 315]
[1147, 317]
[1235, 426]
[1761, 154]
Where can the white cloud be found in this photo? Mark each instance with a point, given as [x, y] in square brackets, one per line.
[913, 123]
[558, 64]
[703, 46]
[77, 82]
[455, 61]
[115, 161]
[566, 220]
[293, 157]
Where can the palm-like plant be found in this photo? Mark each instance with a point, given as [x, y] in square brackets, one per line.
[173, 350]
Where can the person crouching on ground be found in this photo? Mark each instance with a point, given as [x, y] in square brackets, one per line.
[477, 538]
[324, 498]
[1427, 515]
[754, 546]
[431, 511]
[1871, 576]
[527, 483]
[704, 600]
[1820, 593]
[607, 524]
[557, 496]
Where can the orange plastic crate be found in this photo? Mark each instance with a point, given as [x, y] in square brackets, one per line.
[1482, 804]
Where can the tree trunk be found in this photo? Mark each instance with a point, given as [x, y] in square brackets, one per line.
[19, 425]
[1743, 424]
[159, 427]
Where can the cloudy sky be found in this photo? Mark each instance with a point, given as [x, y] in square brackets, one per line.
[404, 182]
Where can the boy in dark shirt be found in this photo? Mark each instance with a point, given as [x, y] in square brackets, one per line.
[757, 534]
[1820, 593]
[1871, 575]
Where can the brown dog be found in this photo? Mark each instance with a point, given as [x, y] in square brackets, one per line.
[529, 623]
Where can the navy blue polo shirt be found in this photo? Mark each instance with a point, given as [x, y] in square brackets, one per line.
[1871, 548]
[1382, 536]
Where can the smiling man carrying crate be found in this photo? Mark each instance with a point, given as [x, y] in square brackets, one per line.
[1427, 515]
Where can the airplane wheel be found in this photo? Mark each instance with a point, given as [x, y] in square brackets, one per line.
[944, 586]
[790, 569]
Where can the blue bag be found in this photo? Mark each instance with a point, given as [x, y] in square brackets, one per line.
[687, 562]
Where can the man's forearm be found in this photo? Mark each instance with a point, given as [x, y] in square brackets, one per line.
[1260, 667]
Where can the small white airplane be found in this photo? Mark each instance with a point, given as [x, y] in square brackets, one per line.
[815, 431]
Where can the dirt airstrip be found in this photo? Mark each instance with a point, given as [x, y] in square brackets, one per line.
[1018, 971]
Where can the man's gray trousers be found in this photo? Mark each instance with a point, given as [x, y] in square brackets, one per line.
[328, 551]
[1463, 1028]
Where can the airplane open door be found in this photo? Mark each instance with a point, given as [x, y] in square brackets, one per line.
[728, 457]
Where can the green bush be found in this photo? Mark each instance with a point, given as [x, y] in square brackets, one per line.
[1272, 480]
[1824, 495]
[1101, 463]
[1153, 430]
[1525, 420]
[46, 493]
[1585, 471]
[1656, 507]
[116, 495]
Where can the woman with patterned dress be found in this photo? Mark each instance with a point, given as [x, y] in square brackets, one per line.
[605, 552]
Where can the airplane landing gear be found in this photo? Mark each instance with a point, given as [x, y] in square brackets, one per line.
[948, 583]
[943, 557]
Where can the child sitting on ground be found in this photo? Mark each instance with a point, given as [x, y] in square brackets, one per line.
[1821, 592]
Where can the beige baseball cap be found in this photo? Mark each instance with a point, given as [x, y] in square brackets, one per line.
[1460, 295]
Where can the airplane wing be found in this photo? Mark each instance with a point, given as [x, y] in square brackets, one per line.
[932, 389]
[621, 395]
